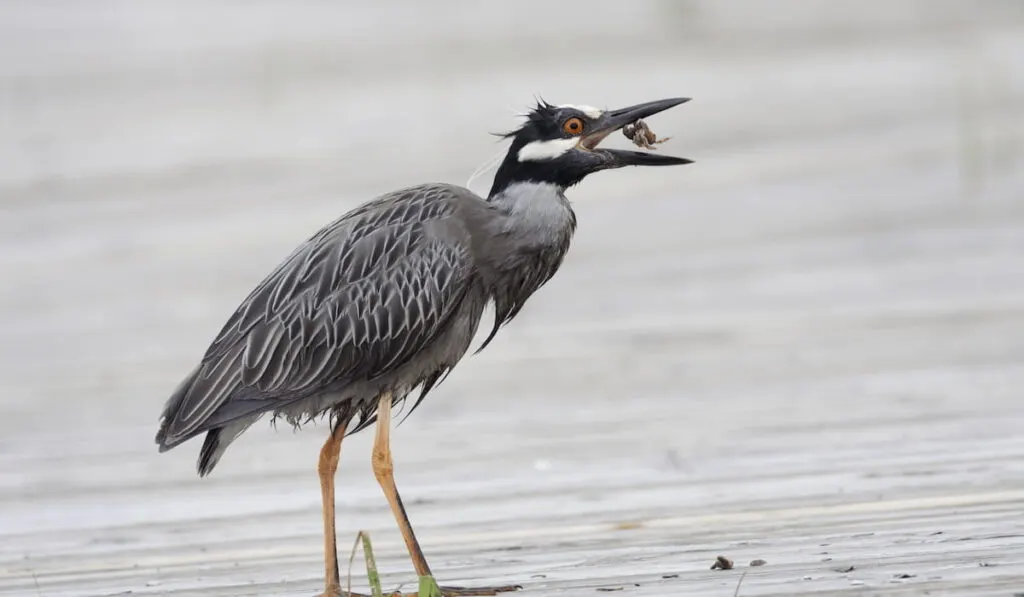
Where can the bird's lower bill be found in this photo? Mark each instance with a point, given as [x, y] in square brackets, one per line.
[617, 158]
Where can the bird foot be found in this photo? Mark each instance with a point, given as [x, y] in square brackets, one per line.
[428, 588]
[478, 591]
[435, 591]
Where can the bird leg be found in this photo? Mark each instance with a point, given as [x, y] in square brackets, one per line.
[384, 471]
[327, 467]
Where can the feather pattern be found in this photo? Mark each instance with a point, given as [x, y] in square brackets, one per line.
[360, 297]
[386, 298]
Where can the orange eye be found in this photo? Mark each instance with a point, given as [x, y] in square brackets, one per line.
[573, 126]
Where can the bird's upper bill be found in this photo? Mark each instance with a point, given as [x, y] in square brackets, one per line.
[613, 120]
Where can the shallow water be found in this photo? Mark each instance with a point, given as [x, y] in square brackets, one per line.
[806, 347]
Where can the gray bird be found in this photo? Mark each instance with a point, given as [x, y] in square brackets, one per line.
[387, 299]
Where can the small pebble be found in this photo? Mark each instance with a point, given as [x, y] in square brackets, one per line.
[758, 562]
[722, 563]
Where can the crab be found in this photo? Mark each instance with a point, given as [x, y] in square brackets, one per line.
[641, 135]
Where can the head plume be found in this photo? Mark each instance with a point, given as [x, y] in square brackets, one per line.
[539, 116]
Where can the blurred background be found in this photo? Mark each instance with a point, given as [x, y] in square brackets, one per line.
[820, 321]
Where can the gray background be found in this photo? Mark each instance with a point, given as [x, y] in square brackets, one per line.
[807, 347]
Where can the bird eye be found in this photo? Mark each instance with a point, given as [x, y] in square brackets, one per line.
[573, 126]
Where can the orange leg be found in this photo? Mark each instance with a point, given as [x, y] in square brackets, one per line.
[327, 467]
[384, 471]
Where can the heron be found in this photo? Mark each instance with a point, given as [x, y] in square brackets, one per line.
[387, 299]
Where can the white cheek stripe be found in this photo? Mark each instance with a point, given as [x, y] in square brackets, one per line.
[590, 111]
[539, 151]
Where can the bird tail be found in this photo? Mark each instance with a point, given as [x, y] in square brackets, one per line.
[217, 441]
[191, 408]
[217, 438]
[210, 453]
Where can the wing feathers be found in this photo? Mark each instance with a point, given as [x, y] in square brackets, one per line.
[214, 382]
[361, 297]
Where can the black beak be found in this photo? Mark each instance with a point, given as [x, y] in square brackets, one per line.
[613, 120]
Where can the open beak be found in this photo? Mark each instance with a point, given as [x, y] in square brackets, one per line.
[614, 120]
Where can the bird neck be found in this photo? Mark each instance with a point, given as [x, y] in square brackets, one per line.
[524, 239]
[534, 213]
[512, 172]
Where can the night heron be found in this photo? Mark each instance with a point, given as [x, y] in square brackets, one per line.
[388, 298]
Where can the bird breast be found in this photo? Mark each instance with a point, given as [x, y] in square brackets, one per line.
[525, 242]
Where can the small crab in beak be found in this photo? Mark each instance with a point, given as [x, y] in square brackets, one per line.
[641, 135]
[630, 122]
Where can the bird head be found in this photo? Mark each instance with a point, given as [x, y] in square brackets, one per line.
[559, 144]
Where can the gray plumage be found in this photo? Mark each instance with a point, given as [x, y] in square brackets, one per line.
[388, 297]
[384, 299]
